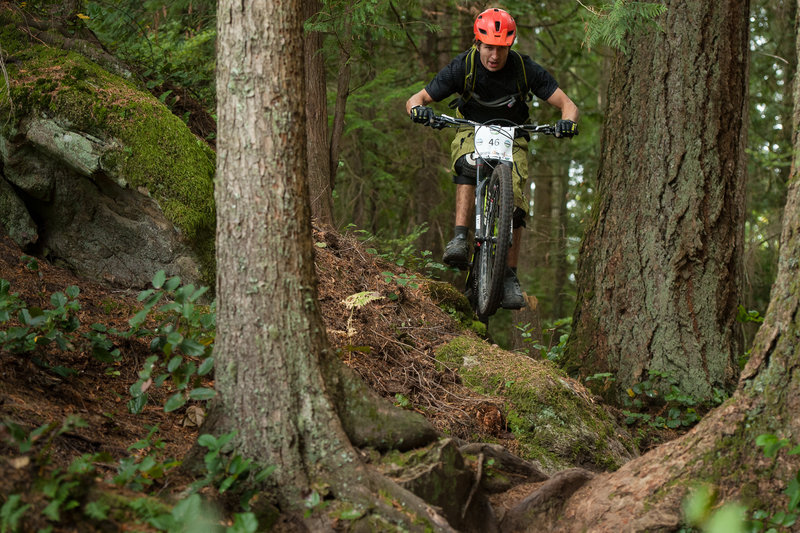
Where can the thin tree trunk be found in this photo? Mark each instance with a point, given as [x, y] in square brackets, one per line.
[317, 144]
[342, 92]
[560, 306]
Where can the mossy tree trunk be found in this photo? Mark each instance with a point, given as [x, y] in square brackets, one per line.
[660, 266]
[646, 494]
[278, 385]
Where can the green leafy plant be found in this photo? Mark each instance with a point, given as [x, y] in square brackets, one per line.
[555, 335]
[38, 327]
[402, 401]
[700, 511]
[402, 279]
[675, 408]
[147, 463]
[62, 489]
[9, 302]
[744, 316]
[30, 263]
[604, 379]
[40, 440]
[11, 513]
[403, 252]
[225, 470]
[103, 348]
[784, 520]
[314, 502]
[183, 335]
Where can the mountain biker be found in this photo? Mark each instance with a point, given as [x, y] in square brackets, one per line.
[497, 86]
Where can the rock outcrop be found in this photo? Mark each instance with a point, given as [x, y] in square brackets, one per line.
[95, 173]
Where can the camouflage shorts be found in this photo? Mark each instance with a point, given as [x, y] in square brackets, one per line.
[464, 144]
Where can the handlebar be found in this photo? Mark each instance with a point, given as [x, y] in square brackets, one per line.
[446, 121]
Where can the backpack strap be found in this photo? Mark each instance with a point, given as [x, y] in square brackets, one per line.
[469, 80]
[522, 78]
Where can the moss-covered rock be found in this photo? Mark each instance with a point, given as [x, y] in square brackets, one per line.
[108, 131]
[554, 417]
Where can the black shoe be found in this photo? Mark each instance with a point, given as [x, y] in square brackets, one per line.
[456, 252]
[512, 292]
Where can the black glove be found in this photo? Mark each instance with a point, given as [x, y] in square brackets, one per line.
[422, 114]
[566, 128]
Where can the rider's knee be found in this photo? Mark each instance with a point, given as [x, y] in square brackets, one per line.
[465, 167]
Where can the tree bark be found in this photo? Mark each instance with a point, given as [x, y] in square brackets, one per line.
[317, 143]
[263, 221]
[721, 451]
[275, 372]
[660, 265]
[560, 306]
[342, 92]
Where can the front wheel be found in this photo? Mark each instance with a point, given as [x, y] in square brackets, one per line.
[493, 236]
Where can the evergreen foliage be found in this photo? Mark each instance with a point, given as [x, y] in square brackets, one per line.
[610, 24]
[167, 41]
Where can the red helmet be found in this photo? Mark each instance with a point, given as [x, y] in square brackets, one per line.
[495, 27]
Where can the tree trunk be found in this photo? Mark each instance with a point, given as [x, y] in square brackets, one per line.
[263, 221]
[275, 374]
[342, 92]
[659, 271]
[317, 144]
[560, 306]
[720, 452]
[535, 272]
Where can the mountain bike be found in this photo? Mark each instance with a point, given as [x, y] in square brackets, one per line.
[494, 207]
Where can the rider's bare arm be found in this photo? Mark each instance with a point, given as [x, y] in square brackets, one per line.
[559, 99]
[421, 98]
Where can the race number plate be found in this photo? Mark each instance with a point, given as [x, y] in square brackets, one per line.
[494, 142]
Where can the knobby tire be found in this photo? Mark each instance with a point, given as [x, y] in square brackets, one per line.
[497, 206]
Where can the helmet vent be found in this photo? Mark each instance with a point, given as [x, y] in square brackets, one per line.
[496, 25]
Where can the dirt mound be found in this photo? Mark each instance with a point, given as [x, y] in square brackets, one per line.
[390, 339]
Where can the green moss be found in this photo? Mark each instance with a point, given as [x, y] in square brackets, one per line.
[157, 151]
[554, 420]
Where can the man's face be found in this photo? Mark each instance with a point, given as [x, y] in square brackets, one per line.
[493, 57]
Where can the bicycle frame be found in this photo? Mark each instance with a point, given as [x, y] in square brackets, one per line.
[493, 220]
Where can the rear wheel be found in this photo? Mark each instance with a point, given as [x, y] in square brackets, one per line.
[494, 240]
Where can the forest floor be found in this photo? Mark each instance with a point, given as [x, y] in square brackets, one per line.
[389, 341]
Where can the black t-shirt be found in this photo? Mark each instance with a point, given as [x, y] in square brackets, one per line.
[490, 86]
